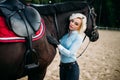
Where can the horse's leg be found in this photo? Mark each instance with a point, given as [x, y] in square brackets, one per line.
[46, 54]
[7, 78]
[37, 76]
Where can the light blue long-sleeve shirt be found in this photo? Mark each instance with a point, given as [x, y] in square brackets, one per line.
[71, 43]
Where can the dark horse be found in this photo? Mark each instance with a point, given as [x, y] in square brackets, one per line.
[55, 16]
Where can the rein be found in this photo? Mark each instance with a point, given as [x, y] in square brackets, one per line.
[83, 50]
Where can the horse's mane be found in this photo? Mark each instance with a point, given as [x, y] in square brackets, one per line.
[48, 9]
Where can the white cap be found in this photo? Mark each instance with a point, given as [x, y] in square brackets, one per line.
[84, 20]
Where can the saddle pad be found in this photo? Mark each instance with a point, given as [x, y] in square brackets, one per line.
[7, 35]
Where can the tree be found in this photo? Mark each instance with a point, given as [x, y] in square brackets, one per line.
[108, 13]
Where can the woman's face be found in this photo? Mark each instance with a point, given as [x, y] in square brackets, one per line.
[75, 24]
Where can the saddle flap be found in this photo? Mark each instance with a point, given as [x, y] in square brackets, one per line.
[33, 17]
[20, 27]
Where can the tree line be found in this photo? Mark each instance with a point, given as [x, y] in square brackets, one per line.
[107, 10]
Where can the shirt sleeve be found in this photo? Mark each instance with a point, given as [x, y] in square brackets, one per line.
[72, 50]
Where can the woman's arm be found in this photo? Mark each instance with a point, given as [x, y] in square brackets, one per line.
[72, 50]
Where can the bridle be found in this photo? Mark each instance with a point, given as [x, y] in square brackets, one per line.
[91, 14]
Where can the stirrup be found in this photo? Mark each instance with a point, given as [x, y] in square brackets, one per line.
[31, 66]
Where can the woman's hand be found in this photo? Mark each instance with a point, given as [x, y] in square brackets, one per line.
[52, 40]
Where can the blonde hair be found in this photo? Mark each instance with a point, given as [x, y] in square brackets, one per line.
[83, 18]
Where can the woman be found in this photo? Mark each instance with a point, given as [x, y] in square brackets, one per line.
[69, 44]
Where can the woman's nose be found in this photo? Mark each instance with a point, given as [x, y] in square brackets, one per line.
[72, 23]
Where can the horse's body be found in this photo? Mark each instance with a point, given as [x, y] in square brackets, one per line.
[12, 54]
